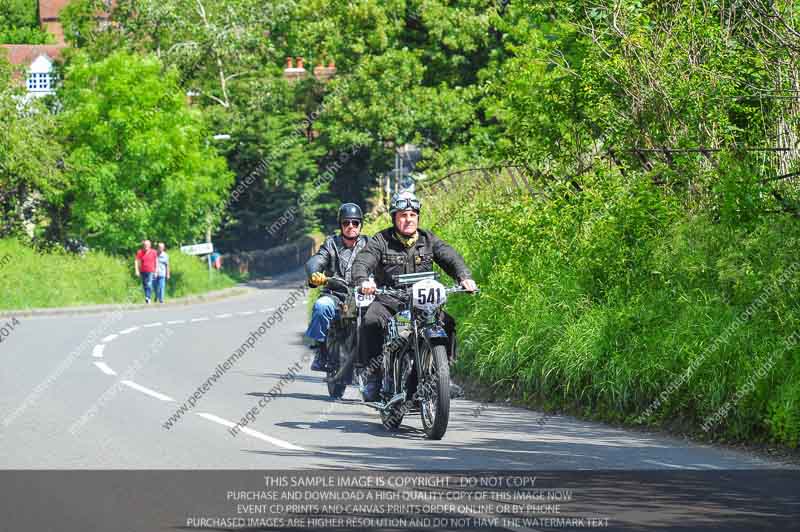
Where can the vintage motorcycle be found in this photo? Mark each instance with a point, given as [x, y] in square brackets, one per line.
[341, 342]
[416, 370]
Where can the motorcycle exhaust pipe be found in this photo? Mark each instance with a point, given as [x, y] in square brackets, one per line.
[394, 400]
[399, 398]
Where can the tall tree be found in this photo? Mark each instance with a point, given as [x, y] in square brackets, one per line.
[139, 159]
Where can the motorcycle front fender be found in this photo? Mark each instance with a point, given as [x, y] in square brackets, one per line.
[434, 332]
[435, 335]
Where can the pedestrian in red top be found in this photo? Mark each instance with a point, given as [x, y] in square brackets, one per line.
[145, 265]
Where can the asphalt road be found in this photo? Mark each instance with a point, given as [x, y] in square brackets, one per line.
[62, 407]
[96, 392]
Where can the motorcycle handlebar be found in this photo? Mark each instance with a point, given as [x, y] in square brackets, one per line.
[404, 292]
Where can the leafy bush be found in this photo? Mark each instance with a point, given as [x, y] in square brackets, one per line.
[598, 301]
[25, 36]
[19, 23]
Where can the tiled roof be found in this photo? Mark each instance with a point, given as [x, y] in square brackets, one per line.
[25, 54]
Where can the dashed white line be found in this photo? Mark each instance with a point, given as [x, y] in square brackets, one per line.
[267, 309]
[222, 316]
[664, 464]
[176, 322]
[156, 324]
[97, 352]
[251, 432]
[148, 391]
[248, 313]
[104, 368]
[129, 330]
[109, 338]
[707, 466]
[199, 319]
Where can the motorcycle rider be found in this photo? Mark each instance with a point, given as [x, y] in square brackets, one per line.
[334, 258]
[402, 248]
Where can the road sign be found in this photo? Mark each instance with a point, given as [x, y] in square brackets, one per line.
[198, 249]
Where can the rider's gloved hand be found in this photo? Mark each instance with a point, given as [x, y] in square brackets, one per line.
[368, 287]
[318, 279]
[469, 285]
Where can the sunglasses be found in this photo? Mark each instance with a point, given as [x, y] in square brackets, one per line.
[403, 204]
[354, 223]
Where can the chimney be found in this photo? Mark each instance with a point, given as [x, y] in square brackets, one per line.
[323, 73]
[291, 73]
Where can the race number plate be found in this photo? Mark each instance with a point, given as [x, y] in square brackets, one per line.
[363, 300]
[429, 294]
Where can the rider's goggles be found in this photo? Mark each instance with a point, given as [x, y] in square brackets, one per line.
[405, 204]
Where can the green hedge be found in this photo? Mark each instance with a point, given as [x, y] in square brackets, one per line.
[31, 279]
[600, 302]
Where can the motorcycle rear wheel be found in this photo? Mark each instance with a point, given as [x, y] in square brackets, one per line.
[336, 389]
[435, 396]
[392, 418]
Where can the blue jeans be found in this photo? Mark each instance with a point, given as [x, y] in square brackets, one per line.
[159, 283]
[147, 283]
[325, 310]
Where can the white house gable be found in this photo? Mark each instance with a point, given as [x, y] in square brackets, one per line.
[40, 77]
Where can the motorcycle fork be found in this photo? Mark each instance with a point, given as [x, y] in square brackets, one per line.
[417, 356]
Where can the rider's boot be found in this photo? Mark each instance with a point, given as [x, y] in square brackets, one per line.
[372, 386]
[320, 362]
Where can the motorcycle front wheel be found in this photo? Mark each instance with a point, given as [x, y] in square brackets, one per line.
[434, 391]
[336, 388]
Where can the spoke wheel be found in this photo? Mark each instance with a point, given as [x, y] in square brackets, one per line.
[434, 392]
[393, 417]
[333, 351]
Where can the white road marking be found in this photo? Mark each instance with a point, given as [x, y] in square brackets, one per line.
[98, 350]
[176, 322]
[104, 368]
[267, 309]
[248, 313]
[251, 432]
[664, 464]
[156, 324]
[129, 330]
[109, 338]
[199, 319]
[707, 466]
[147, 391]
[222, 316]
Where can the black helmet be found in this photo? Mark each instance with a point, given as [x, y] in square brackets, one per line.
[349, 211]
[404, 201]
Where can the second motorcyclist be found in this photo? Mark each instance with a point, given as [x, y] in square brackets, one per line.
[333, 259]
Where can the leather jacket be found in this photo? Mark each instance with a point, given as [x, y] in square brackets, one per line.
[327, 260]
[385, 256]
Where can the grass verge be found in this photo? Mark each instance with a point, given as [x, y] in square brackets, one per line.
[620, 303]
[30, 279]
